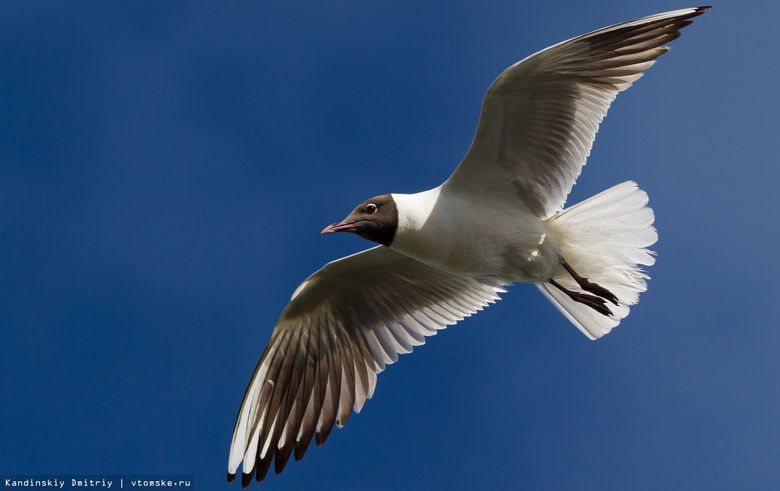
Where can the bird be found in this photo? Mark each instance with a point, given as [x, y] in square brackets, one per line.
[446, 253]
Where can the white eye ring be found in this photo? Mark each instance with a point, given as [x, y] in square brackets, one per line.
[371, 208]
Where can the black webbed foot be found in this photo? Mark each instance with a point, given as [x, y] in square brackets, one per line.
[589, 286]
[596, 303]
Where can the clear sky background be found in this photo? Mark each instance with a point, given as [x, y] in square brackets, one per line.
[166, 167]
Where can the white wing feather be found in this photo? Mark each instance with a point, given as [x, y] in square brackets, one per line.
[540, 117]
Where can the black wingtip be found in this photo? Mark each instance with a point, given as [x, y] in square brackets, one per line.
[281, 458]
[300, 448]
[246, 480]
[231, 477]
[262, 466]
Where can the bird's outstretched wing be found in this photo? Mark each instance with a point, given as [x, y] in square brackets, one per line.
[540, 116]
[342, 326]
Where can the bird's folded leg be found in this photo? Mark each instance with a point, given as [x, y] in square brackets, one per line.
[596, 303]
[588, 286]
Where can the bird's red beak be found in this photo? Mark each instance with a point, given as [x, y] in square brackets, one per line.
[343, 226]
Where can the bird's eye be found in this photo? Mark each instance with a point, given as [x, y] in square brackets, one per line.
[371, 208]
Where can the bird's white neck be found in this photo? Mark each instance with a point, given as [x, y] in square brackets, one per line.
[414, 210]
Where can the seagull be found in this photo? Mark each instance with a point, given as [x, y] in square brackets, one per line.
[448, 252]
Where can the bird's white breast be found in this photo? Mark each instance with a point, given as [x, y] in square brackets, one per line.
[475, 239]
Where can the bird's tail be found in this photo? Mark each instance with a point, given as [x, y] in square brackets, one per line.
[603, 239]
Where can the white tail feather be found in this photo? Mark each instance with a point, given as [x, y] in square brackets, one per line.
[604, 239]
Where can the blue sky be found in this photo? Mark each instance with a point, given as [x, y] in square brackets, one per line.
[165, 169]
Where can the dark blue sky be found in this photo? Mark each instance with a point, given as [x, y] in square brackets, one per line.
[166, 167]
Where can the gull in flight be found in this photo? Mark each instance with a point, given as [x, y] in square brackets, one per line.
[446, 253]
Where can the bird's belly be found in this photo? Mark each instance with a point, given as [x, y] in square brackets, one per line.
[528, 258]
[522, 249]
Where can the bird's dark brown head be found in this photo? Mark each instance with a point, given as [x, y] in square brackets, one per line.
[375, 219]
